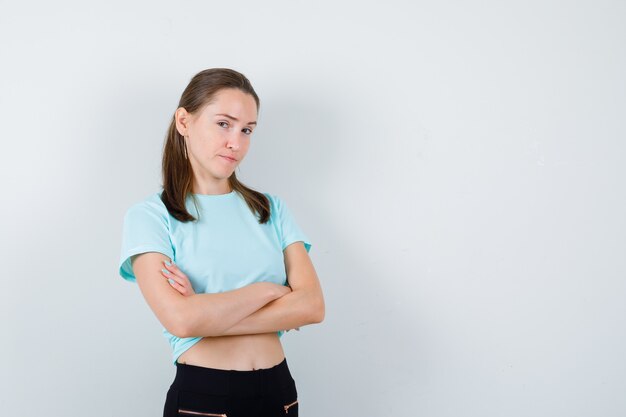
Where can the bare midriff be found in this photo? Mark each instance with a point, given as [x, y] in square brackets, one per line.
[240, 352]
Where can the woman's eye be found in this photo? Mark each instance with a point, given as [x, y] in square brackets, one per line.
[249, 131]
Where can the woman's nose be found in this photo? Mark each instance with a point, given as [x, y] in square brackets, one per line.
[233, 142]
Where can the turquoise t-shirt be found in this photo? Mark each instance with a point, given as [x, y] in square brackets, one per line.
[224, 250]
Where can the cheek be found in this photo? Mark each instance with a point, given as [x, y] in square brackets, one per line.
[203, 151]
[206, 143]
[195, 147]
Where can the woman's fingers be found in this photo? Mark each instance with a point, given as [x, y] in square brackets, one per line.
[181, 288]
[172, 279]
[169, 275]
[176, 286]
[173, 268]
[175, 273]
[180, 281]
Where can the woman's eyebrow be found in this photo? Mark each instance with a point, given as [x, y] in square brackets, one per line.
[234, 118]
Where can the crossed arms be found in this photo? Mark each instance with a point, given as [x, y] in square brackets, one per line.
[261, 307]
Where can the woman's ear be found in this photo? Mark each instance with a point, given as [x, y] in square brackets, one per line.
[182, 118]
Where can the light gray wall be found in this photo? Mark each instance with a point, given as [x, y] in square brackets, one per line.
[459, 167]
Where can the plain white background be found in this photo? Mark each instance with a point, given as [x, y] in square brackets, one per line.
[458, 166]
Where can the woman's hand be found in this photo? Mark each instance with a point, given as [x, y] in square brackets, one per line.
[177, 279]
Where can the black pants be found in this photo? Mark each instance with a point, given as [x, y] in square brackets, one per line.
[199, 391]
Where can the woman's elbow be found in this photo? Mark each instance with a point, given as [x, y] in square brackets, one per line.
[178, 326]
[186, 325]
[318, 310]
[181, 323]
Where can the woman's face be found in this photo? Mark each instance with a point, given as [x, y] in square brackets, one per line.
[218, 131]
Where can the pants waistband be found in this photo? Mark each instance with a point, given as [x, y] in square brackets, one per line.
[228, 381]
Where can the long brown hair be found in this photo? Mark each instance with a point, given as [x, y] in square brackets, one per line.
[176, 168]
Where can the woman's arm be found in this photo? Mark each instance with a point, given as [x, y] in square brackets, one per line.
[212, 314]
[304, 305]
[197, 314]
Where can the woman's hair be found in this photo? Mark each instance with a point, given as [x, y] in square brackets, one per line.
[176, 168]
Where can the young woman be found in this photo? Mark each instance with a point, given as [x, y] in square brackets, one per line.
[224, 268]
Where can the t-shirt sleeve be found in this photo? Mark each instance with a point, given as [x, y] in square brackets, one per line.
[145, 229]
[288, 229]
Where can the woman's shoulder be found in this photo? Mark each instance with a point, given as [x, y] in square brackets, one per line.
[272, 197]
[151, 203]
[275, 201]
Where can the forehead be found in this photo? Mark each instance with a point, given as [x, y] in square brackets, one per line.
[234, 102]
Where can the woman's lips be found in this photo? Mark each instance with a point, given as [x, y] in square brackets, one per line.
[228, 159]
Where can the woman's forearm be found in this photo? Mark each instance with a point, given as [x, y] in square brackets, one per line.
[211, 314]
[292, 310]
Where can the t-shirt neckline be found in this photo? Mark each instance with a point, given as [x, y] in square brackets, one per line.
[214, 196]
